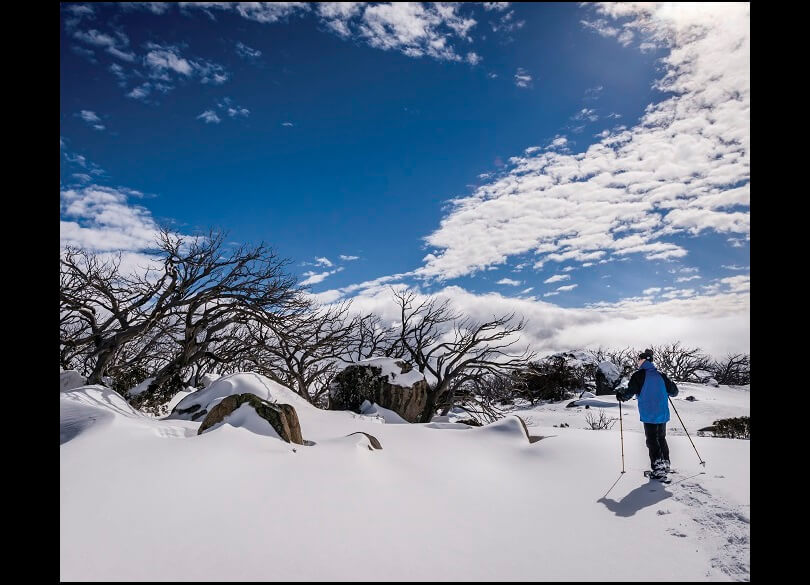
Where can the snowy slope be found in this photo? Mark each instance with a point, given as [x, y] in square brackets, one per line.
[145, 499]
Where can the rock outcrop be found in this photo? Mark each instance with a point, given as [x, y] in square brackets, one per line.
[390, 383]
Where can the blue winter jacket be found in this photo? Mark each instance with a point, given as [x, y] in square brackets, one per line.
[652, 388]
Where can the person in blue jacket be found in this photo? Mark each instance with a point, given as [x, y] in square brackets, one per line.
[652, 388]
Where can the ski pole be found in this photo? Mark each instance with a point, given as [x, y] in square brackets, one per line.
[703, 463]
[621, 432]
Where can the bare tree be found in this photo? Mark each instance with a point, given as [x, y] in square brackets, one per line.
[185, 306]
[102, 309]
[303, 352]
[372, 338]
[733, 369]
[215, 292]
[452, 348]
[680, 363]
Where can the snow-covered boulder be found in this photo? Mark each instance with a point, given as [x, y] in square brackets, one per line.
[70, 379]
[209, 379]
[197, 404]
[388, 382]
[712, 382]
[607, 378]
[257, 415]
[384, 415]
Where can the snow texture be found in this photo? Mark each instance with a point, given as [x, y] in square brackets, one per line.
[440, 501]
[392, 371]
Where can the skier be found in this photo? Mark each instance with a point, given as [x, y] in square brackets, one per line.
[652, 388]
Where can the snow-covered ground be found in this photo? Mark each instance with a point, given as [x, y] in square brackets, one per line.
[147, 499]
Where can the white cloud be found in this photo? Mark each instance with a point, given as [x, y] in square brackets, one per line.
[165, 61]
[736, 284]
[651, 291]
[687, 278]
[153, 7]
[246, 52]
[526, 290]
[734, 267]
[586, 113]
[140, 92]
[499, 6]
[287, 124]
[233, 110]
[683, 168]
[263, 12]
[348, 258]
[101, 219]
[209, 117]
[323, 262]
[115, 44]
[522, 78]
[601, 26]
[315, 278]
[507, 23]
[473, 58]
[509, 281]
[91, 118]
[567, 287]
[557, 278]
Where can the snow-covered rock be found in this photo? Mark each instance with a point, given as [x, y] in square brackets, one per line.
[197, 404]
[70, 379]
[388, 382]
[385, 415]
[712, 382]
[257, 415]
[607, 378]
[209, 379]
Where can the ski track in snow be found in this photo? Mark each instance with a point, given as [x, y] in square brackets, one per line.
[720, 523]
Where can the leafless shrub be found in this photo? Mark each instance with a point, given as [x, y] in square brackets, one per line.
[601, 422]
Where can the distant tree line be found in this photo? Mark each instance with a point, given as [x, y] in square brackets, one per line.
[561, 376]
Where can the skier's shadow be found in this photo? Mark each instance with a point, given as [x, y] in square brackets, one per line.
[642, 497]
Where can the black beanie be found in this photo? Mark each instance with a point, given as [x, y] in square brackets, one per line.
[645, 355]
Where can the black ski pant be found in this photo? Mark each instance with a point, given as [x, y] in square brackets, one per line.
[656, 442]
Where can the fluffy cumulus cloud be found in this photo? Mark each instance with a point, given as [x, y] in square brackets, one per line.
[509, 281]
[415, 29]
[683, 168]
[103, 219]
[718, 324]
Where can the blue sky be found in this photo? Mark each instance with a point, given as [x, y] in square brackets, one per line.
[439, 144]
